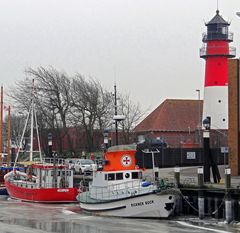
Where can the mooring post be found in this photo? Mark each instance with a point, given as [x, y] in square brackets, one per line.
[228, 201]
[201, 209]
[177, 176]
[209, 206]
[216, 207]
[200, 177]
[178, 209]
[227, 177]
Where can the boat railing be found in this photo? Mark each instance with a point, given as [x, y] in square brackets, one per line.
[34, 185]
[117, 191]
[21, 179]
[57, 161]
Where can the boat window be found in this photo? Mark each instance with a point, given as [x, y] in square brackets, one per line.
[134, 175]
[127, 175]
[111, 176]
[58, 173]
[119, 176]
[105, 176]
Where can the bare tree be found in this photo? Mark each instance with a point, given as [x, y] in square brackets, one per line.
[52, 98]
[63, 102]
[133, 115]
[90, 106]
[53, 88]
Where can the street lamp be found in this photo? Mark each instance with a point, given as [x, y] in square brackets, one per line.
[105, 138]
[50, 144]
[207, 123]
[206, 149]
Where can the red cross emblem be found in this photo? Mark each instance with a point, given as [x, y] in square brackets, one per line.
[126, 160]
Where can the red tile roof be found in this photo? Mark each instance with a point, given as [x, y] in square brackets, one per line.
[173, 115]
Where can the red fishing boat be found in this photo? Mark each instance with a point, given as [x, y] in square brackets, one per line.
[48, 181]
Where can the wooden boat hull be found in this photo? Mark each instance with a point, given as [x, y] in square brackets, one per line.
[42, 195]
[152, 205]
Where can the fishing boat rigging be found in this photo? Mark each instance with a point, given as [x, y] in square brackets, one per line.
[47, 180]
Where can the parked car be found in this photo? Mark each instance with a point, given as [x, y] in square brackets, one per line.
[83, 166]
[71, 162]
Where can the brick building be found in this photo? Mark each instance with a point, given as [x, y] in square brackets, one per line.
[176, 121]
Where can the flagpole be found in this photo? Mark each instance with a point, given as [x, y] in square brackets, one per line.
[1, 123]
[9, 137]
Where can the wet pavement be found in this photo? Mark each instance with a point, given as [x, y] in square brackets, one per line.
[21, 217]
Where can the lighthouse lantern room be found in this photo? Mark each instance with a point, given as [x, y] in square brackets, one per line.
[216, 52]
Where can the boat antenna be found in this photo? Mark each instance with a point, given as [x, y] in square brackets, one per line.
[115, 112]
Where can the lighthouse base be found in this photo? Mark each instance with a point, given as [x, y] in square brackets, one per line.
[215, 105]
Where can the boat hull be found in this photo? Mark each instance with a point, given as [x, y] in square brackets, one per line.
[152, 205]
[3, 191]
[42, 195]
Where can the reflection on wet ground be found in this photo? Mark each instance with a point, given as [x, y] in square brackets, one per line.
[23, 217]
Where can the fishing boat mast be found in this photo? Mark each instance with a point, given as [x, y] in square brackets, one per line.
[32, 114]
[9, 137]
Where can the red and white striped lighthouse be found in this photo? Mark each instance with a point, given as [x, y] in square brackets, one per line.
[216, 52]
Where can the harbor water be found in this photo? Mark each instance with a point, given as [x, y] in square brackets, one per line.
[22, 217]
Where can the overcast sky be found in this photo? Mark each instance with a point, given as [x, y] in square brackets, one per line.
[149, 47]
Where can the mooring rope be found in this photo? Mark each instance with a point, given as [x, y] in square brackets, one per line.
[193, 207]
